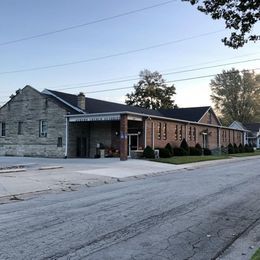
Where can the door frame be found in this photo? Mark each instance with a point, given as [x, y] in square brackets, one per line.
[129, 137]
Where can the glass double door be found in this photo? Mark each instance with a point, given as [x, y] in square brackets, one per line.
[133, 143]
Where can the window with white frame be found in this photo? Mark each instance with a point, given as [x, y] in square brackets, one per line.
[43, 128]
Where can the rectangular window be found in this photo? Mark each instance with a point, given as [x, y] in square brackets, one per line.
[180, 134]
[176, 132]
[190, 132]
[43, 128]
[3, 128]
[194, 133]
[159, 131]
[59, 143]
[164, 131]
[20, 128]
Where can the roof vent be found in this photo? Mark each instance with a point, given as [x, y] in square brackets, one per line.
[81, 101]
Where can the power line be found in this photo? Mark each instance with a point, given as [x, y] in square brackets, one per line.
[111, 55]
[80, 84]
[170, 81]
[163, 74]
[87, 23]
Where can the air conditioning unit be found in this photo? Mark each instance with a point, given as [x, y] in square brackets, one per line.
[156, 153]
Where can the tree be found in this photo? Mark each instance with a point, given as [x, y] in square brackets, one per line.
[236, 95]
[151, 92]
[240, 16]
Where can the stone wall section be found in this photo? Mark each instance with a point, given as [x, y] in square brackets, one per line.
[29, 107]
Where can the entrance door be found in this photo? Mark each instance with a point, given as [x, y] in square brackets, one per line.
[133, 142]
[81, 147]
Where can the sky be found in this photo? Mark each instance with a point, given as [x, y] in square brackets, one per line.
[172, 38]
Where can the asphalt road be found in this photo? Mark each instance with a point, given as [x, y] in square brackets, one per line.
[189, 214]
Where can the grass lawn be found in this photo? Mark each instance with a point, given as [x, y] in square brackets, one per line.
[256, 255]
[192, 159]
[257, 152]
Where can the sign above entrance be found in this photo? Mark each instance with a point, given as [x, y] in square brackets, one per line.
[95, 118]
[134, 118]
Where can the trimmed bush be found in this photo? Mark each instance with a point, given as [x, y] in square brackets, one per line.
[249, 148]
[169, 148]
[198, 146]
[241, 148]
[164, 153]
[235, 149]
[184, 146]
[207, 151]
[230, 148]
[148, 152]
[178, 151]
[195, 151]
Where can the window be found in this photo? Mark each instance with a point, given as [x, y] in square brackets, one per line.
[210, 118]
[43, 128]
[190, 130]
[180, 134]
[20, 128]
[59, 143]
[164, 131]
[159, 131]
[3, 128]
[194, 133]
[176, 132]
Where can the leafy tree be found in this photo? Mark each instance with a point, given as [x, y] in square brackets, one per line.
[151, 92]
[236, 95]
[239, 16]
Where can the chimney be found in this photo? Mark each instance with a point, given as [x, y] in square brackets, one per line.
[81, 101]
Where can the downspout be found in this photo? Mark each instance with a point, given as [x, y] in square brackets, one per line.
[66, 137]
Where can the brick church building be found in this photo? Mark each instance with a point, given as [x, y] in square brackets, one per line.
[56, 124]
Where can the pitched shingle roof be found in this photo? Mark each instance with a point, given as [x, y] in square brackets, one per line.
[100, 106]
[254, 127]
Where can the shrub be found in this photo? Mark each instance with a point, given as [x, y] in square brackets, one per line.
[184, 145]
[169, 148]
[230, 148]
[207, 151]
[241, 148]
[249, 148]
[178, 151]
[195, 151]
[148, 152]
[235, 149]
[164, 153]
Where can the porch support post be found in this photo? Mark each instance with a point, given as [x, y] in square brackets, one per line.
[66, 137]
[123, 137]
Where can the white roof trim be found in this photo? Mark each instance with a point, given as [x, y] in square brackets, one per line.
[47, 92]
[213, 114]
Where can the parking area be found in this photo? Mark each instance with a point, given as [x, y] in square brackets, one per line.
[20, 175]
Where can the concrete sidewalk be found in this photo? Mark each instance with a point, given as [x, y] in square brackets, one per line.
[23, 175]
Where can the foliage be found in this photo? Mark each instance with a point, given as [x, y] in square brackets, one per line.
[164, 153]
[207, 151]
[249, 148]
[230, 148]
[151, 92]
[241, 148]
[256, 255]
[236, 150]
[148, 152]
[195, 151]
[236, 95]
[198, 146]
[184, 145]
[169, 148]
[239, 16]
[178, 151]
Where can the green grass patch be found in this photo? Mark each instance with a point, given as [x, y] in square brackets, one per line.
[257, 152]
[191, 159]
[256, 255]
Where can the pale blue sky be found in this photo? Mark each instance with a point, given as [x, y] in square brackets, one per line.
[166, 23]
